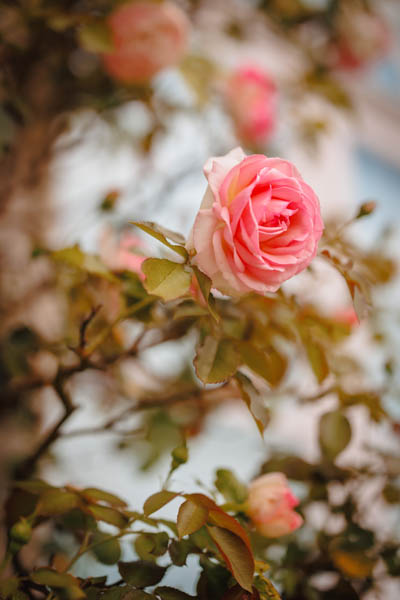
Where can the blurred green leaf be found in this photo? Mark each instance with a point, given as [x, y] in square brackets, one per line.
[54, 579]
[108, 515]
[317, 359]
[230, 487]
[141, 573]
[216, 360]
[96, 495]
[334, 433]
[57, 502]
[151, 545]
[179, 551]
[108, 552]
[169, 593]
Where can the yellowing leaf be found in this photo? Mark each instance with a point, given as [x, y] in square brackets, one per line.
[236, 554]
[191, 516]
[166, 278]
[157, 501]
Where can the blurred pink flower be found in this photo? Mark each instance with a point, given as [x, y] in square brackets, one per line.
[347, 316]
[123, 255]
[251, 98]
[362, 38]
[147, 38]
[258, 225]
[270, 506]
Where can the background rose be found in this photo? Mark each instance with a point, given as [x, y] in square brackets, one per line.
[147, 37]
[362, 38]
[122, 255]
[259, 223]
[270, 505]
[251, 98]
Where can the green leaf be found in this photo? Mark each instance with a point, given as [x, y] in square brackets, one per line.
[57, 502]
[179, 551]
[108, 552]
[141, 573]
[96, 37]
[169, 593]
[149, 546]
[334, 433]
[254, 401]
[97, 495]
[230, 487]
[205, 288]
[191, 516]
[166, 278]
[216, 360]
[157, 501]
[236, 554]
[108, 515]
[317, 359]
[161, 234]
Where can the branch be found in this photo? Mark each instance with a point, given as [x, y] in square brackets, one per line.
[26, 468]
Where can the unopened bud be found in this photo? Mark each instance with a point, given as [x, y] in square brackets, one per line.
[20, 532]
[366, 209]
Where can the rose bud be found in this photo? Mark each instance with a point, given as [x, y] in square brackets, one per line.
[258, 225]
[147, 37]
[270, 506]
[251, 99]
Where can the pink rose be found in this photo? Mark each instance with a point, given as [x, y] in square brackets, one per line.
[147, 38]
[259, 224]
[270, 506]
[122, 255]
[251, 98]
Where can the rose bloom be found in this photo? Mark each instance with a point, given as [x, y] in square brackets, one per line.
[259, 224]
[147, 38]
[251, 99]
[123, 255]
[270, 506]
[362, 38]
